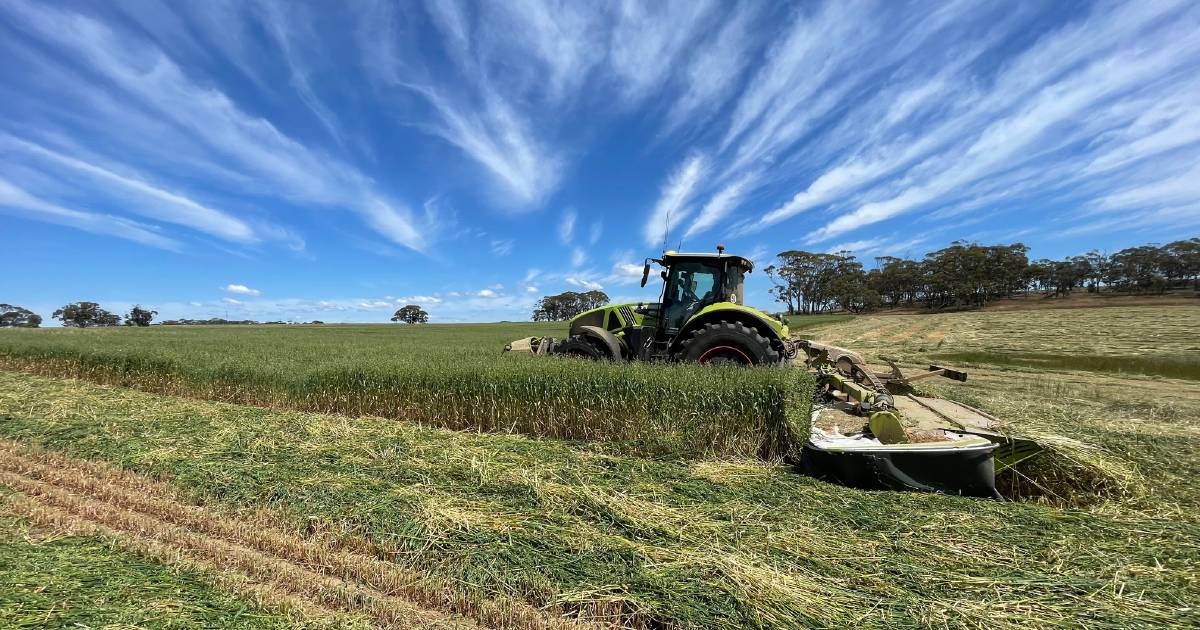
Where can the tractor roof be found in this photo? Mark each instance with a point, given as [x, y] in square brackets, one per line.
[670, 256]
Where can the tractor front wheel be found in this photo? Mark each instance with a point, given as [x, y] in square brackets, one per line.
[579, 347]
[728, 343]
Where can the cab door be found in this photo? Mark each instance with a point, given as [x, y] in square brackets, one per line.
[690, 286]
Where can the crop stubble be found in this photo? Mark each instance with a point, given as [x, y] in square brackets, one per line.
[317, 576]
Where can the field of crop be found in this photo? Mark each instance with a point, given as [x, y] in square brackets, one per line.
[282, 513]
[453, 376]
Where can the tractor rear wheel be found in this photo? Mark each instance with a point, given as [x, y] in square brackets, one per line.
[580, 347]
[728, 343]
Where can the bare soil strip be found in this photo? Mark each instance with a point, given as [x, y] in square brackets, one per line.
[314, 576]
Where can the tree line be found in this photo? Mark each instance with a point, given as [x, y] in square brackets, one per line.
[965, 275]
[555, 308]
[75, 315]
[92, 315]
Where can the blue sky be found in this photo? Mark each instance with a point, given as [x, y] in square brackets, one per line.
[306, 161]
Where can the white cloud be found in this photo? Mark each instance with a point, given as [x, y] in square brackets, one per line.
[566, 227]
[488, 293]
[715, 69]
[584, 283]
[594, 232]
[477, 114]
[166, 118]
[291, 30]
[672, 206]
[1036, 106]
[720, 205]
[241, 289]
[627, 270]
[502, 247]
[1166, 125]
[499, 140]
[647, 39]
[578, 257]
[419, 299]
[35, 208]
[155, 202]
[759, 256]
[231, 301]
[623, 273]
[856, 246]
[1179, 189]
[531, 289]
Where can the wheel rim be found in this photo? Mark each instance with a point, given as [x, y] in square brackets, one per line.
[724, 355]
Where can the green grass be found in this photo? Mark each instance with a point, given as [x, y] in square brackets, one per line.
[54, 581]
[447, 376]
[699, 544]
[1185, 367]
[797, 323]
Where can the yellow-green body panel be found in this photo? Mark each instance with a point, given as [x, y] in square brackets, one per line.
[777, 326]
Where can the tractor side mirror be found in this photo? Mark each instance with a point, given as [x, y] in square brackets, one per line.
[645, 273]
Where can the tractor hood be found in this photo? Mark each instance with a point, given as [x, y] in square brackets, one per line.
[601, 316]
[779, 327]
[609, 317]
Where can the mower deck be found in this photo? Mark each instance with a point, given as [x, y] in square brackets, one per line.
[938, 459]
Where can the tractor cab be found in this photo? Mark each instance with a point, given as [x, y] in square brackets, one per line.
[692, 282]
[701, 315]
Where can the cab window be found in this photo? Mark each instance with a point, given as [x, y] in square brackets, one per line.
[734, 285]
[690, 286]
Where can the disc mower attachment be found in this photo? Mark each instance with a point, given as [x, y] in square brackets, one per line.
[869, 430]
[532, 345]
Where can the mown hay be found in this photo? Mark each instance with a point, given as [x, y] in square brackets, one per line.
[630, 541]
[1068, 473]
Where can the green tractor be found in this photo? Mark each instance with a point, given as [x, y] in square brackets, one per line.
[868, 427]
[700, 318]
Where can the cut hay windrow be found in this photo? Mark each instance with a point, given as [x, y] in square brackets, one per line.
[341, 558]
[413, 376]
[301, 583]
[62, 522]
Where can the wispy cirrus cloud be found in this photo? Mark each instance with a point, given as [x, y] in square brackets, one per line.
[475, 112]
[673, 202]
[944, 125]
[245, 150]
[28, 206]
[566, 227]
[502, 247]
[648, 39]
[523, 71]
[720, 205]
[1044, 122]
[289, 25]
[716, 69]
[155, 202]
